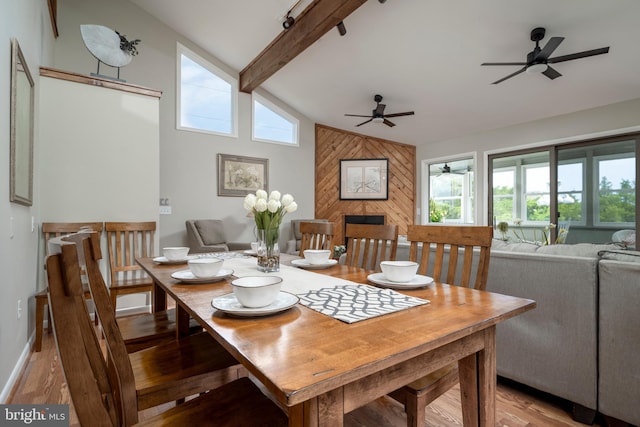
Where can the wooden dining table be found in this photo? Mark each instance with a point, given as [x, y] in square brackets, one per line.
[319, 368]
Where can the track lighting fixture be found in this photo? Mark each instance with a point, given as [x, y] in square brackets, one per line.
[288, 22]
[341, 28]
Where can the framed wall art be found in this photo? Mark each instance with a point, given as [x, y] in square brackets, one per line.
[21, 143]
[364, 179]
[239, 175]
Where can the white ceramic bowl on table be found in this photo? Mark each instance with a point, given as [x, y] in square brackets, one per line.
[205, 267]
[256, 291]
[399, 271]
[175, 253]
[317, 256]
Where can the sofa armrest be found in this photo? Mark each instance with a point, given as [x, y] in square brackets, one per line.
[619, 340]
[221, 247]
[554, 347]
[238, 246]
[291, 247]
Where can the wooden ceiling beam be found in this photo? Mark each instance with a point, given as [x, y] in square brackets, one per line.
[316, 20]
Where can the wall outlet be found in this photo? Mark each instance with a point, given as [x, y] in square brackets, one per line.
[19, 312]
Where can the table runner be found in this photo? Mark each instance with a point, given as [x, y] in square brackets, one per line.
[338, 298]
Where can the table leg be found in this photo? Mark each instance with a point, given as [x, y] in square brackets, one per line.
[182, 322]
[477, 373]
[159, 298]
[326, 410]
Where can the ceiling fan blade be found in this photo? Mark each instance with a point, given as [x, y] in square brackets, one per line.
[388, 123]
[380, 110]
[366, 121]
[551, 73]
[578, 55]
[509, 76]
[504, 63]
[551, 45]
[407, 113]
[357, 115]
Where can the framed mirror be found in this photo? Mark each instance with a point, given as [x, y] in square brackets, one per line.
[22, 105]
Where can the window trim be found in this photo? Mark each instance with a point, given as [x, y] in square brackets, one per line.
[256, 97]
[218, 72]
[425, 180]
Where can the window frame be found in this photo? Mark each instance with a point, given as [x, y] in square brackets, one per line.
[256, 97]
[218, 72]
[596, 192]
[588, 225]
[470, 180]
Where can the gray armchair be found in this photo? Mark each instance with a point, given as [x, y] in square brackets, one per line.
[207, 235]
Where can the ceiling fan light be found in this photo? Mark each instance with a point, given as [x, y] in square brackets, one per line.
[378, 120]
[537, 68]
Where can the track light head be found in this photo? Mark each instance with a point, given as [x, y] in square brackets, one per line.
[288, 22]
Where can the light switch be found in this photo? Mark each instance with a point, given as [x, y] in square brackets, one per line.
[165, 210]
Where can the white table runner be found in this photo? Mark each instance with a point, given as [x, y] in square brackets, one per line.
[338, 298]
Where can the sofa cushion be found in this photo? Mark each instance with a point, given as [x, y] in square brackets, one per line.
[620, 255]
[587, 250]
[501, 245]
[211, 231]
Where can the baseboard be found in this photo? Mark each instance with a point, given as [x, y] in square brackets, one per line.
[130, 311]
[17, 370]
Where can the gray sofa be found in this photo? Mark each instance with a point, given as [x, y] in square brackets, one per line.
[582, 341]
[619, 337]
[207, 235]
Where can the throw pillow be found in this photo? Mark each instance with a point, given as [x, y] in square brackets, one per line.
[211, 232]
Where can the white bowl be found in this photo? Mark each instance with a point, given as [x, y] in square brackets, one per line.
[317, 256]
[175, 253]
[205, 267]
[256, 291]
[399, 271]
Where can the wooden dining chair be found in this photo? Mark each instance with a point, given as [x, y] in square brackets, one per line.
[50, 230]
[141, 330]
[316, 235]
[126, 242]
[467, 264]
[368, 244]
[103, 394]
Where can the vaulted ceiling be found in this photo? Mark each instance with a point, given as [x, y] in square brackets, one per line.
[425, 56]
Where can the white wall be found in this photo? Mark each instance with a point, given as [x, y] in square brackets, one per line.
[27, 21]
[596, 122]
[188, 160]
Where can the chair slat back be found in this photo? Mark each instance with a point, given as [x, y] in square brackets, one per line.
[316, 235]
[126, 242]
[368, 244]
[474, 241]
[122, 376]
[80, 354]
[57, 229]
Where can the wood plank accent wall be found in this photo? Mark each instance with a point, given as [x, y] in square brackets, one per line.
[333, 145]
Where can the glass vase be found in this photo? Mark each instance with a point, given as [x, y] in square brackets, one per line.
[268, 251]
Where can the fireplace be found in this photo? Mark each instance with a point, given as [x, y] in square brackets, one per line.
[361, 219]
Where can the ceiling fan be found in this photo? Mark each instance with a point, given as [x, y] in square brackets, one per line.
[378, 116]
[446, 169]
[538, 59]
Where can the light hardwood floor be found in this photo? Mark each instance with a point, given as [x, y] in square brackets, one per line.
[43, 382]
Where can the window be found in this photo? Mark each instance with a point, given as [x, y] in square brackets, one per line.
[206, 96]
[615, 195]
[594, 190]
[450, 192]
[272, 124]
